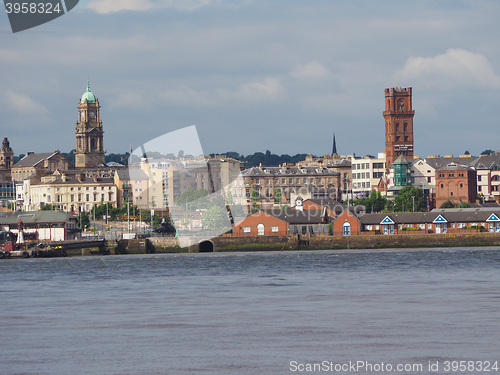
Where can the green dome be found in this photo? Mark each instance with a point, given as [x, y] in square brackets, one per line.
[88, 96]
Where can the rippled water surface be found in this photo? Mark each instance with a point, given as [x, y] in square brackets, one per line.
[248, 313]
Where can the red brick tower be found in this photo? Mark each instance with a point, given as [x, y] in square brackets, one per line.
[398, 117]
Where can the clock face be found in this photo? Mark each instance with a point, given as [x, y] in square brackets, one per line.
[298, 202]
[92, 114]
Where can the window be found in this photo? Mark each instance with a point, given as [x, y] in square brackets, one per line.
[405, 127]
[260, 229]
[429, 179]
[346, 229]
[274, 229]
[246, 229]
[461, 185]
[442, 186]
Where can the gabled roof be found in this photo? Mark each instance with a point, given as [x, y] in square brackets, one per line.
[32, 160]
[440, 219]
[486, 161]
[466, 215]
[397, 218]
[292, 216]
[493, 218]
[331, 204]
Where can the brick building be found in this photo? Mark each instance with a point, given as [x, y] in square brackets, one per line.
[398, 117]
[281, 185]
[457, 183]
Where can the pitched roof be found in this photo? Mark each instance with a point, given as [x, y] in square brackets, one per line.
[32, 217]
[398, 218]
[31, 160]
[452, 215]
[331, 204]
[486, 161]
[468, 215]
[286, 171]
[401, 160]
[293, 216]
[440, 162]
[131, 174]
[74, 180]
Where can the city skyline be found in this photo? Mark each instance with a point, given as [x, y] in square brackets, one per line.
[256, 76]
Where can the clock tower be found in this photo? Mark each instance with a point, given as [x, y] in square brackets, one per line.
[398, 117]
[89, 133]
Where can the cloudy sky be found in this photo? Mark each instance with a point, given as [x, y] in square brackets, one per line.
[254, 75]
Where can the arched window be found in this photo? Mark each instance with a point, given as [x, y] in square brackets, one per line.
[260, 229]
[405, 127]
[92, 144]
[346, 229]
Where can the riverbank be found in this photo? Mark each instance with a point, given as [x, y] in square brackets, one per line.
[165, 245]
[290, 243]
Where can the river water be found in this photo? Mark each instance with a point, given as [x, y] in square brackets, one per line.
[251, 313]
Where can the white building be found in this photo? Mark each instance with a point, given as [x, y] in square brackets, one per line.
[70, 193]
[366, 174]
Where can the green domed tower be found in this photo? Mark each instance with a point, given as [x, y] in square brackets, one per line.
[89, 133]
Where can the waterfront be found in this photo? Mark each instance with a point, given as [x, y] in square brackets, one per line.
[247, 313]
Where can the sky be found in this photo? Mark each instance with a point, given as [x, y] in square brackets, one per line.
[256, 75]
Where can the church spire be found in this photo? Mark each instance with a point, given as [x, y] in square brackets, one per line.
[334, 148]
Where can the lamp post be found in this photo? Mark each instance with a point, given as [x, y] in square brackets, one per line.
[413, 197]
[128, 215]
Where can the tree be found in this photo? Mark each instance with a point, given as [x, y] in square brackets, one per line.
[193, 198]
[375, 202]
[254, 206]
[450, 204]
[409, 197]
[278, 196]
[466, 153]
[216, 219]
[487, 152]
[83, 220]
